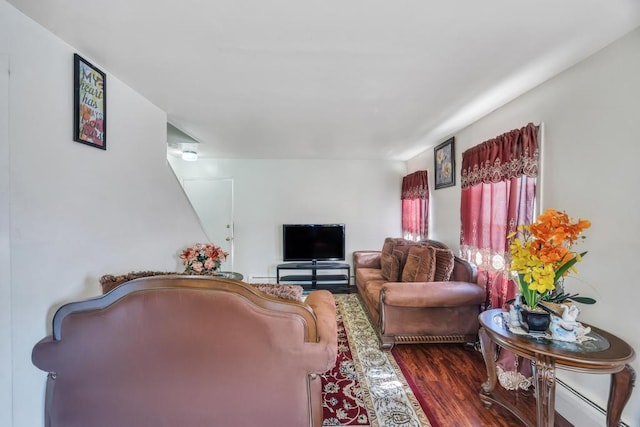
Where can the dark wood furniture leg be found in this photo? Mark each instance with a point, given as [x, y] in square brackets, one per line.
[487, 397]
[545, 377]
[622, 384]
[488, 349]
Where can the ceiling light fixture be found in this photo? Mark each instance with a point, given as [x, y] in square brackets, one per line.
[189, 156]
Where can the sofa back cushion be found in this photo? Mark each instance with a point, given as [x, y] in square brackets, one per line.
[390, 267]
[288, 292]
[447, 267]
[420, 265]
[444, 264]
[401, 252]
[390, 243]
[399, 248]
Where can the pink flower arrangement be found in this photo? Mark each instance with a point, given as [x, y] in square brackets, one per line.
[203, 258]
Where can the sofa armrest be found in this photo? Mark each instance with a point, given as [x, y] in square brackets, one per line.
[323, 305]
[45, 354]
[432, 294]
[366, 259]
[464, 271]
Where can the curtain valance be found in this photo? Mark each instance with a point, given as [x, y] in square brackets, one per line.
[415, 186]
[512, 154]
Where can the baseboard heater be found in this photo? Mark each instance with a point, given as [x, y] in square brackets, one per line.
[586, 400]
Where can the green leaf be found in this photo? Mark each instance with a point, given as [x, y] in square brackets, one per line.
[566, 266]
[583, 300]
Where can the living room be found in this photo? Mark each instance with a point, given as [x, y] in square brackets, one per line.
[71, 213]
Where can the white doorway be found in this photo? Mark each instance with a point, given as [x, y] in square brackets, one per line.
[212, 200]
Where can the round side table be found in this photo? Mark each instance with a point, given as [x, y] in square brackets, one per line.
[608, 354]
[228, 275]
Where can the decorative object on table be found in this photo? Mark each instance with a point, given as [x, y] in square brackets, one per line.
[89, 104]
[535, 321]
[569, 333]
[541, 257]
[445, 164]
[564, 326]
[203, 258]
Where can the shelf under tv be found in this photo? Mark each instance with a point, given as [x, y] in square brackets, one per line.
[316, 278]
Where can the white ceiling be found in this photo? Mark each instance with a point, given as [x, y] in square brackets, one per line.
[360, 79]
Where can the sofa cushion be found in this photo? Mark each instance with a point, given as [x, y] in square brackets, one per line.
[401, 252]
[420, 265]
[110, 281]
[390, 243]
[372, 293]
[444, 264]
[400, 248]
[290, 292]
[390, 267]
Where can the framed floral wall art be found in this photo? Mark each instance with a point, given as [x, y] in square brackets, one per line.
[89, 104]
[445, 166]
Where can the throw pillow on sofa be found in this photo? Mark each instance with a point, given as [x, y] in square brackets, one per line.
[390, 243]
[110, 281]
[289, 292]
[444, 264]
[401, 252]
[420, 265]
[390, 267]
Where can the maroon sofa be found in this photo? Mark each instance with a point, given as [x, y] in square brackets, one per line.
[404, 307]
[188, 351]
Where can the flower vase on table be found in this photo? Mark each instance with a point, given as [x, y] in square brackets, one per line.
[535, 320]
[541, 257]
[532, 320]
[203, 258]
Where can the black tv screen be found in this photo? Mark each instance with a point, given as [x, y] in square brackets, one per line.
[313, 242]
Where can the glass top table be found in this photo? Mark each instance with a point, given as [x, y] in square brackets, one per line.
[593, 342]
[228, 275]
[605, 353]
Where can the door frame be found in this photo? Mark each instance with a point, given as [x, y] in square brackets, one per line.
[232, 213]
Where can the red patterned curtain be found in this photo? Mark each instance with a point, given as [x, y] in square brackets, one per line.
[498, 194]
[415, 205]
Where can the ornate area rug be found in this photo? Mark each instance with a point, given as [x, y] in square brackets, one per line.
[367, 387]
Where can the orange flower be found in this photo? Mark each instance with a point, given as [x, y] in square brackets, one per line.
[544, 254]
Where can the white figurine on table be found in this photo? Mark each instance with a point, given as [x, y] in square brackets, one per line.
[566, 328]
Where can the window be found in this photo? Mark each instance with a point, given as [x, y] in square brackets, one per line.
[415, 206]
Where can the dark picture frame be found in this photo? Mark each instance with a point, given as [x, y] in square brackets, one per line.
[89, 104]
[444, 156]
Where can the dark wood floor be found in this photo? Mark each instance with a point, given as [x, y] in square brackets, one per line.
[449, 377]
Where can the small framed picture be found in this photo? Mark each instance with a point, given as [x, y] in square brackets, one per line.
[89, 104]
[445, 165]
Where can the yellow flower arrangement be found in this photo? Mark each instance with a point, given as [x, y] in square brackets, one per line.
[543, 256]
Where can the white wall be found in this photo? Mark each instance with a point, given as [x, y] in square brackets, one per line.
[592, 148]
[5, 250]
[363, 194]
[75, 212]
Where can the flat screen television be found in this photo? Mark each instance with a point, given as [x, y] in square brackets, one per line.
[313, 242]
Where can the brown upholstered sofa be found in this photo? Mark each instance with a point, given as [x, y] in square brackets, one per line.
[188, 351]
[418, 292]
